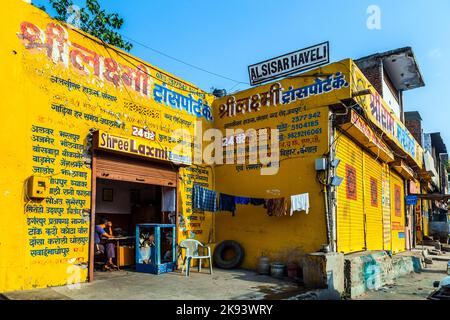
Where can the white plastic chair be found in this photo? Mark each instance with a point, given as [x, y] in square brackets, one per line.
[192, 252]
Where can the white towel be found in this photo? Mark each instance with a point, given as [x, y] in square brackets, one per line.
[168, 202]
[300, 202]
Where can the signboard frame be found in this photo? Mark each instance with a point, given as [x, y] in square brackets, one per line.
[290, 71]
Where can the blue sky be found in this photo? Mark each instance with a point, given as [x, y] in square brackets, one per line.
[226, 36]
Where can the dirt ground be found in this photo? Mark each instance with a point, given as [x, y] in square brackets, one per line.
[130, 285]
[222, 285]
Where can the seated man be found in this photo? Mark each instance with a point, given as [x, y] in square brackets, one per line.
[100, 245]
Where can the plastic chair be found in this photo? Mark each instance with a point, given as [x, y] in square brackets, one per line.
[192, 252]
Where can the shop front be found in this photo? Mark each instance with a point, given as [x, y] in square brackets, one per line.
[377, 156]
[89, 132]
[371, 155]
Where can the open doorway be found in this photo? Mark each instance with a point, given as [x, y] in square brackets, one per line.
[128, 192]
[127, 204]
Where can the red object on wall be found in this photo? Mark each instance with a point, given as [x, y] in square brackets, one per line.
[398, 200]
[373, 192]
[350, 178]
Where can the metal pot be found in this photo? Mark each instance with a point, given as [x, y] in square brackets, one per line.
[277, 269]
[264, 265]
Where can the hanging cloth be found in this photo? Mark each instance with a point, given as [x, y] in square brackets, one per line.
[276, 207]
[204, 199]
[300, 202]
[257, 201]
[169, 198]
[227, 203]
[242, 200]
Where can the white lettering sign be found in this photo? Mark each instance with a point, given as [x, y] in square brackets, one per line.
[290, 63]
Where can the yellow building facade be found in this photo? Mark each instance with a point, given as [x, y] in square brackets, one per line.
[77, 111]
[365, 212]
[60, 86]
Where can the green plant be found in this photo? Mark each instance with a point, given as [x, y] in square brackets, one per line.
[93, 20]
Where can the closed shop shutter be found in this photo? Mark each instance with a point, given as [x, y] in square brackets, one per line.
[372, 202]
[114, 167]
[397, 213]
[386, 203]
[425, 217]
[350, 217]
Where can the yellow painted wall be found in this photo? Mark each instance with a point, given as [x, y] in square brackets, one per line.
[53, 94]
[275, 236]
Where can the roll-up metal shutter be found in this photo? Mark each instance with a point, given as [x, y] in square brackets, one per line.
[397, 213]
[350, 216]
[373, 208]
[386, 203]
[425, 217]
[114, 167]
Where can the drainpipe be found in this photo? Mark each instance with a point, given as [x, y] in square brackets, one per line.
[330, 194]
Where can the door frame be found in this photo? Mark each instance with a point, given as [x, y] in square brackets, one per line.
[95, 156]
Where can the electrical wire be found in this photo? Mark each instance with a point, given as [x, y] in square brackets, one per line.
[145, 121]
[123, 56]
[119, 52]
[357, 98]
[183, 62]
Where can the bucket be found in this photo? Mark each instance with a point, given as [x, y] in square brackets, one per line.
[277, 270]
[292, 270]
[263, 265]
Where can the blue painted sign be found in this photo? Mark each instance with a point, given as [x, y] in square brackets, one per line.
[411, 200]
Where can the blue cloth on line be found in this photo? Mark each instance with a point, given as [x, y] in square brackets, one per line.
[227, 203]
[242, 200]
[257, 201]
[204, 199]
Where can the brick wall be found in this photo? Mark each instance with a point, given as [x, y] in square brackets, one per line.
[443, 157]
[415, 127]
[373, 73]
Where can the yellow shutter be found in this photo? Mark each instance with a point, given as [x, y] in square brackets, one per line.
[373, 208]
[397, 213]
[386, 203]
[350, 217]
[425, 217]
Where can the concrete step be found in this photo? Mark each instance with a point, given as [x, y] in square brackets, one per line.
[373, 270]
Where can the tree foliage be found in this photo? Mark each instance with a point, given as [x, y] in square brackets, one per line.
[93, 20]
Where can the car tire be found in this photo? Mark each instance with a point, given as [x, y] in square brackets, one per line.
[232, 263]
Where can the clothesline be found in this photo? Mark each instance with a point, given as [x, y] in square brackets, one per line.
[206, 200]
